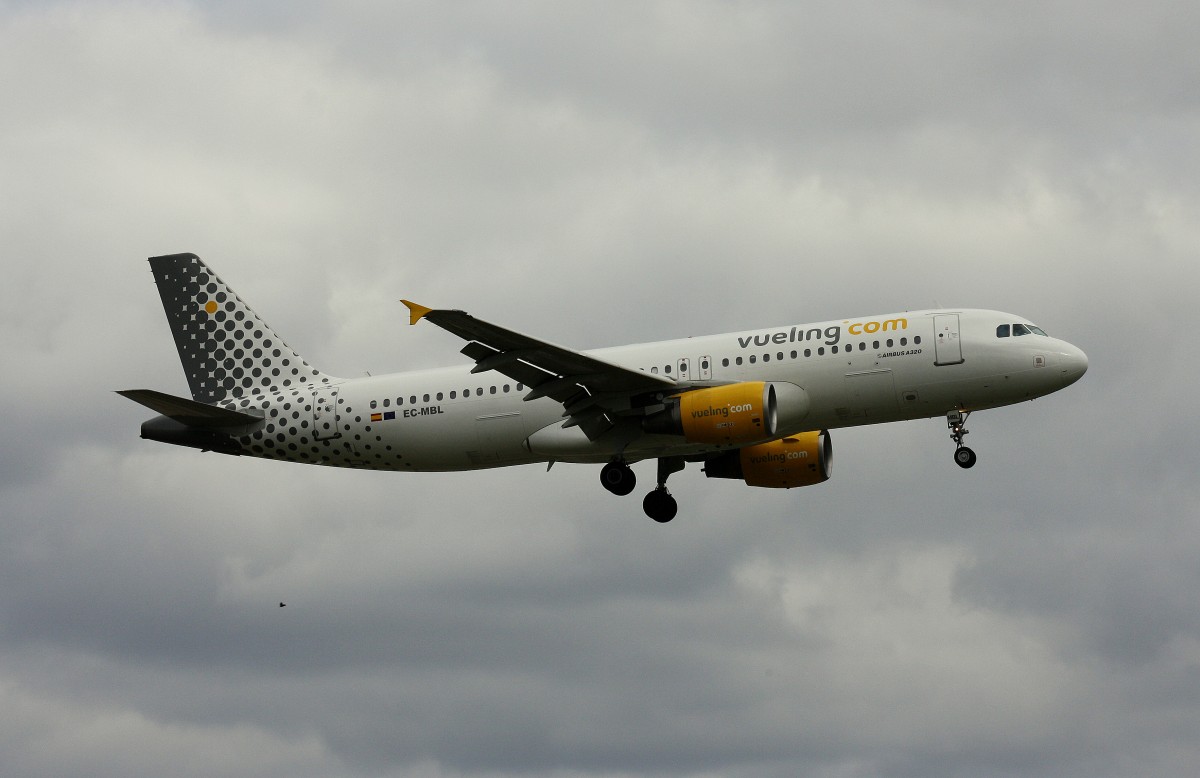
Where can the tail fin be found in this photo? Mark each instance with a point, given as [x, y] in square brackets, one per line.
[226, 349]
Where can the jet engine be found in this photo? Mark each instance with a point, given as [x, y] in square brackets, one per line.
[737, 413]
[728, 415]
[797, 460]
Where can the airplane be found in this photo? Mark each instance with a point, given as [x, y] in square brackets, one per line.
[755, 406]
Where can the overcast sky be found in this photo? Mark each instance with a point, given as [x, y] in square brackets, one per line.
[600, 174]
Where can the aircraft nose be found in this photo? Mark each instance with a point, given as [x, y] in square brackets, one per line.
[1075, 363]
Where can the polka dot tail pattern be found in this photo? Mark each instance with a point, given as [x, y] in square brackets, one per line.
[227, 351]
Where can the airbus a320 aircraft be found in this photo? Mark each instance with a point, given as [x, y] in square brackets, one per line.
[755, 406]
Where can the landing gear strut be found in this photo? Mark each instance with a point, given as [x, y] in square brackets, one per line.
[618, 478]
[957, 422]
[659, 504]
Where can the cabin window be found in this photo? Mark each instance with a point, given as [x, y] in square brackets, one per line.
[904, 341]
[808, 352]
[453, 394]
[374, 404]
[738, 360]
[439, 396]
[753, 359]
[387, 403]
[654, 370]
[766, 357]
[916, 340]
[725, 362]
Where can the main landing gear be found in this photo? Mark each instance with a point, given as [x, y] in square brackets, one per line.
[659, 505]
[617, 478]
[957, 422]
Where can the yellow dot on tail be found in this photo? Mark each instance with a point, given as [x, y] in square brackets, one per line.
[211, 306]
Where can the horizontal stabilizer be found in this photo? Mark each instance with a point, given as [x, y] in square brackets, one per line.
[190, 412]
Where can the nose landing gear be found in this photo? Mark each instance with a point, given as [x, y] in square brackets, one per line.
[957, 422]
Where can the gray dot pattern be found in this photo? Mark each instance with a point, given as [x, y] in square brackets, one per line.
[233, 359]
[228, 352]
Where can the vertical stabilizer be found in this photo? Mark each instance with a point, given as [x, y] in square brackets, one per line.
[226, 349]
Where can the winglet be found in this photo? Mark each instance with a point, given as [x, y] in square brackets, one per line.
[415, 312]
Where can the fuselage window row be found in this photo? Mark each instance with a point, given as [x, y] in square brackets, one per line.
[753, 359]
[875, 345]
[453, 395]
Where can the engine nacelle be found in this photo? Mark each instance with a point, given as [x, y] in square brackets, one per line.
[797, 460]
[736, 413]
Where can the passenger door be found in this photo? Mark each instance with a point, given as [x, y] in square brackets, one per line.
[947, 347]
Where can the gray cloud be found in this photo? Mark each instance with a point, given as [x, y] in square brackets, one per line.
[599, 175]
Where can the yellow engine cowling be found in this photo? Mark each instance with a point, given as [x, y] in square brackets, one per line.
[797, 460]
[732, 414]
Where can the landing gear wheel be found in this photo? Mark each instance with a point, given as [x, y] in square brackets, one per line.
[617, 478]
[957, 422]
[660, 505]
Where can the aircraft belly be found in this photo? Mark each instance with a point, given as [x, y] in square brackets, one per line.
[499, 438]
[463, 435]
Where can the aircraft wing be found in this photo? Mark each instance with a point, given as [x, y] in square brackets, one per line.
[590, 389]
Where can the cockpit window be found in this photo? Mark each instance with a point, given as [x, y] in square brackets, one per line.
[1004, 330]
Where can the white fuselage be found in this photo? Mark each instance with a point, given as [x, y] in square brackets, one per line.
[855, 371]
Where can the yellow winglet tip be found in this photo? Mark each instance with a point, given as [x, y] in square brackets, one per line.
[415, 312]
